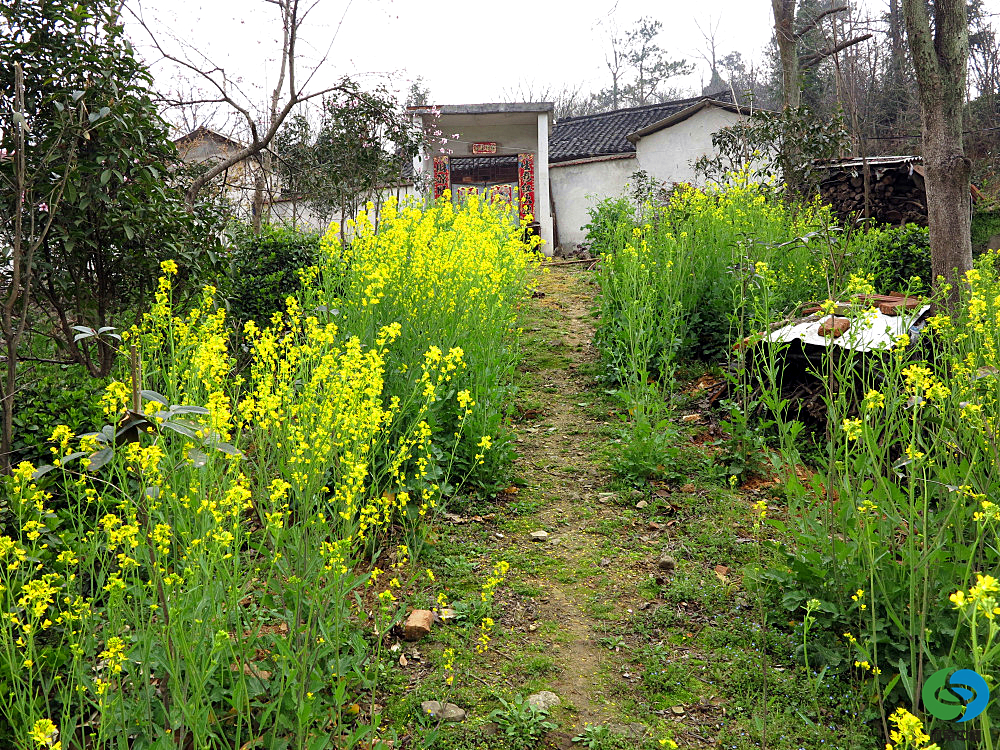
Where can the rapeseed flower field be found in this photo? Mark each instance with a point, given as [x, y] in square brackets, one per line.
[198, 572]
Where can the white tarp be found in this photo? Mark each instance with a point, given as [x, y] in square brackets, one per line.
[869, 331]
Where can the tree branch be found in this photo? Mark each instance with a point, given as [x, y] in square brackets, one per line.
[815, 21]
[807, 61]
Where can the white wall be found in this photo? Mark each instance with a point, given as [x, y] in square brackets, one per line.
[577, 188]
[667, 154]
[513, 139]
[308, 219]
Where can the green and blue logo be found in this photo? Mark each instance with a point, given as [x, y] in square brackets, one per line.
[949, 694]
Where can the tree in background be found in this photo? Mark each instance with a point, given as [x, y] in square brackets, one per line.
[361, 145]
[639, 68]
[291, 90]
[791, 31]
[939, 45]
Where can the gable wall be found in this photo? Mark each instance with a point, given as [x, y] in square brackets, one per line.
[667, 154]
[579, 187]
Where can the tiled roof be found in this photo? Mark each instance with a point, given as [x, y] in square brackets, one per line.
[605, 133]
[474, 162]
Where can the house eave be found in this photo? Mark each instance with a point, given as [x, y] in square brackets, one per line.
[591, 159]
[684, 114]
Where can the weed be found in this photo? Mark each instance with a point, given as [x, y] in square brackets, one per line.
[599, 737]
[522, 724]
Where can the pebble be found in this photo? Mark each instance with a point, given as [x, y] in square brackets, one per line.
[539, 536]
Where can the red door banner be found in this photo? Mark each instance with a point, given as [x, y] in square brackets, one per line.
[442, 175]
[526, 184]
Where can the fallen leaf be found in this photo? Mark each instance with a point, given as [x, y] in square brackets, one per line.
[402, 660]
[722, 571]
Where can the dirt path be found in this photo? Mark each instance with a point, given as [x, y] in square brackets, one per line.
[581, 586]
[633, 609]
[567, 303]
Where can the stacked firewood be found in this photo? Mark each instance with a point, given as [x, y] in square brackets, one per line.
[896, 196]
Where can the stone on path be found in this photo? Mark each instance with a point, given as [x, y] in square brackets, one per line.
[443, 711]
[539, 536]
[543, 700]
[418, 624]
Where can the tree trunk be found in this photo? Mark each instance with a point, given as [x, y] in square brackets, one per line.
[784, 35]
[258, 202]
[949, 211]
[941, 60]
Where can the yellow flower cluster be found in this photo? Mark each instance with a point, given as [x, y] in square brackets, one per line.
[981, 599]
[463, 263]
[494, 580]
[908, 733]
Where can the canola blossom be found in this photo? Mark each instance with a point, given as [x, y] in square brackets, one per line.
[266, 466]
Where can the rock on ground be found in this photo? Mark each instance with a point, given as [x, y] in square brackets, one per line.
[418, 624]
[544, 699]
[443, 711]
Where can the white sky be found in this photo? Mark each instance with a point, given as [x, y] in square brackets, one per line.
[466, 52]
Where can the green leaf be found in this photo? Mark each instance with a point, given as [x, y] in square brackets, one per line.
[100, 458]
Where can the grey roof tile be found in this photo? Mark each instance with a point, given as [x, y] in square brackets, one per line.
[605, 133]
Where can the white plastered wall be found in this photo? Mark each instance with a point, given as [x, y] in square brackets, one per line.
[576, 188]
[668, 154]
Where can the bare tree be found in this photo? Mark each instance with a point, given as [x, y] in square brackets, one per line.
[291, 90]
[940, 49]
[789, 31]
[567, 100]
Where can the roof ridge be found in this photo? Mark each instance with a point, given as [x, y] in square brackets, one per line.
[641, 107]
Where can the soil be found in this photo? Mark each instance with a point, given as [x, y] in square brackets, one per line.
[572, 493]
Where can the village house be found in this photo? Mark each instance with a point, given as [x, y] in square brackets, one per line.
[594, 157]
[517, 154]
[499, 151]
[558, 171]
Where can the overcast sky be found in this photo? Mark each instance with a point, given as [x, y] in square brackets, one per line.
[466, 52]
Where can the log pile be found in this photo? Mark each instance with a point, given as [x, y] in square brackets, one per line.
[897, 195]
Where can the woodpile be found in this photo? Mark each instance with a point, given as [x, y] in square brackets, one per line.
[897, 194]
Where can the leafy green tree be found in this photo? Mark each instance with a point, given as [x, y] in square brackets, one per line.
[786, 144]
[89, 208]
[361, 145]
